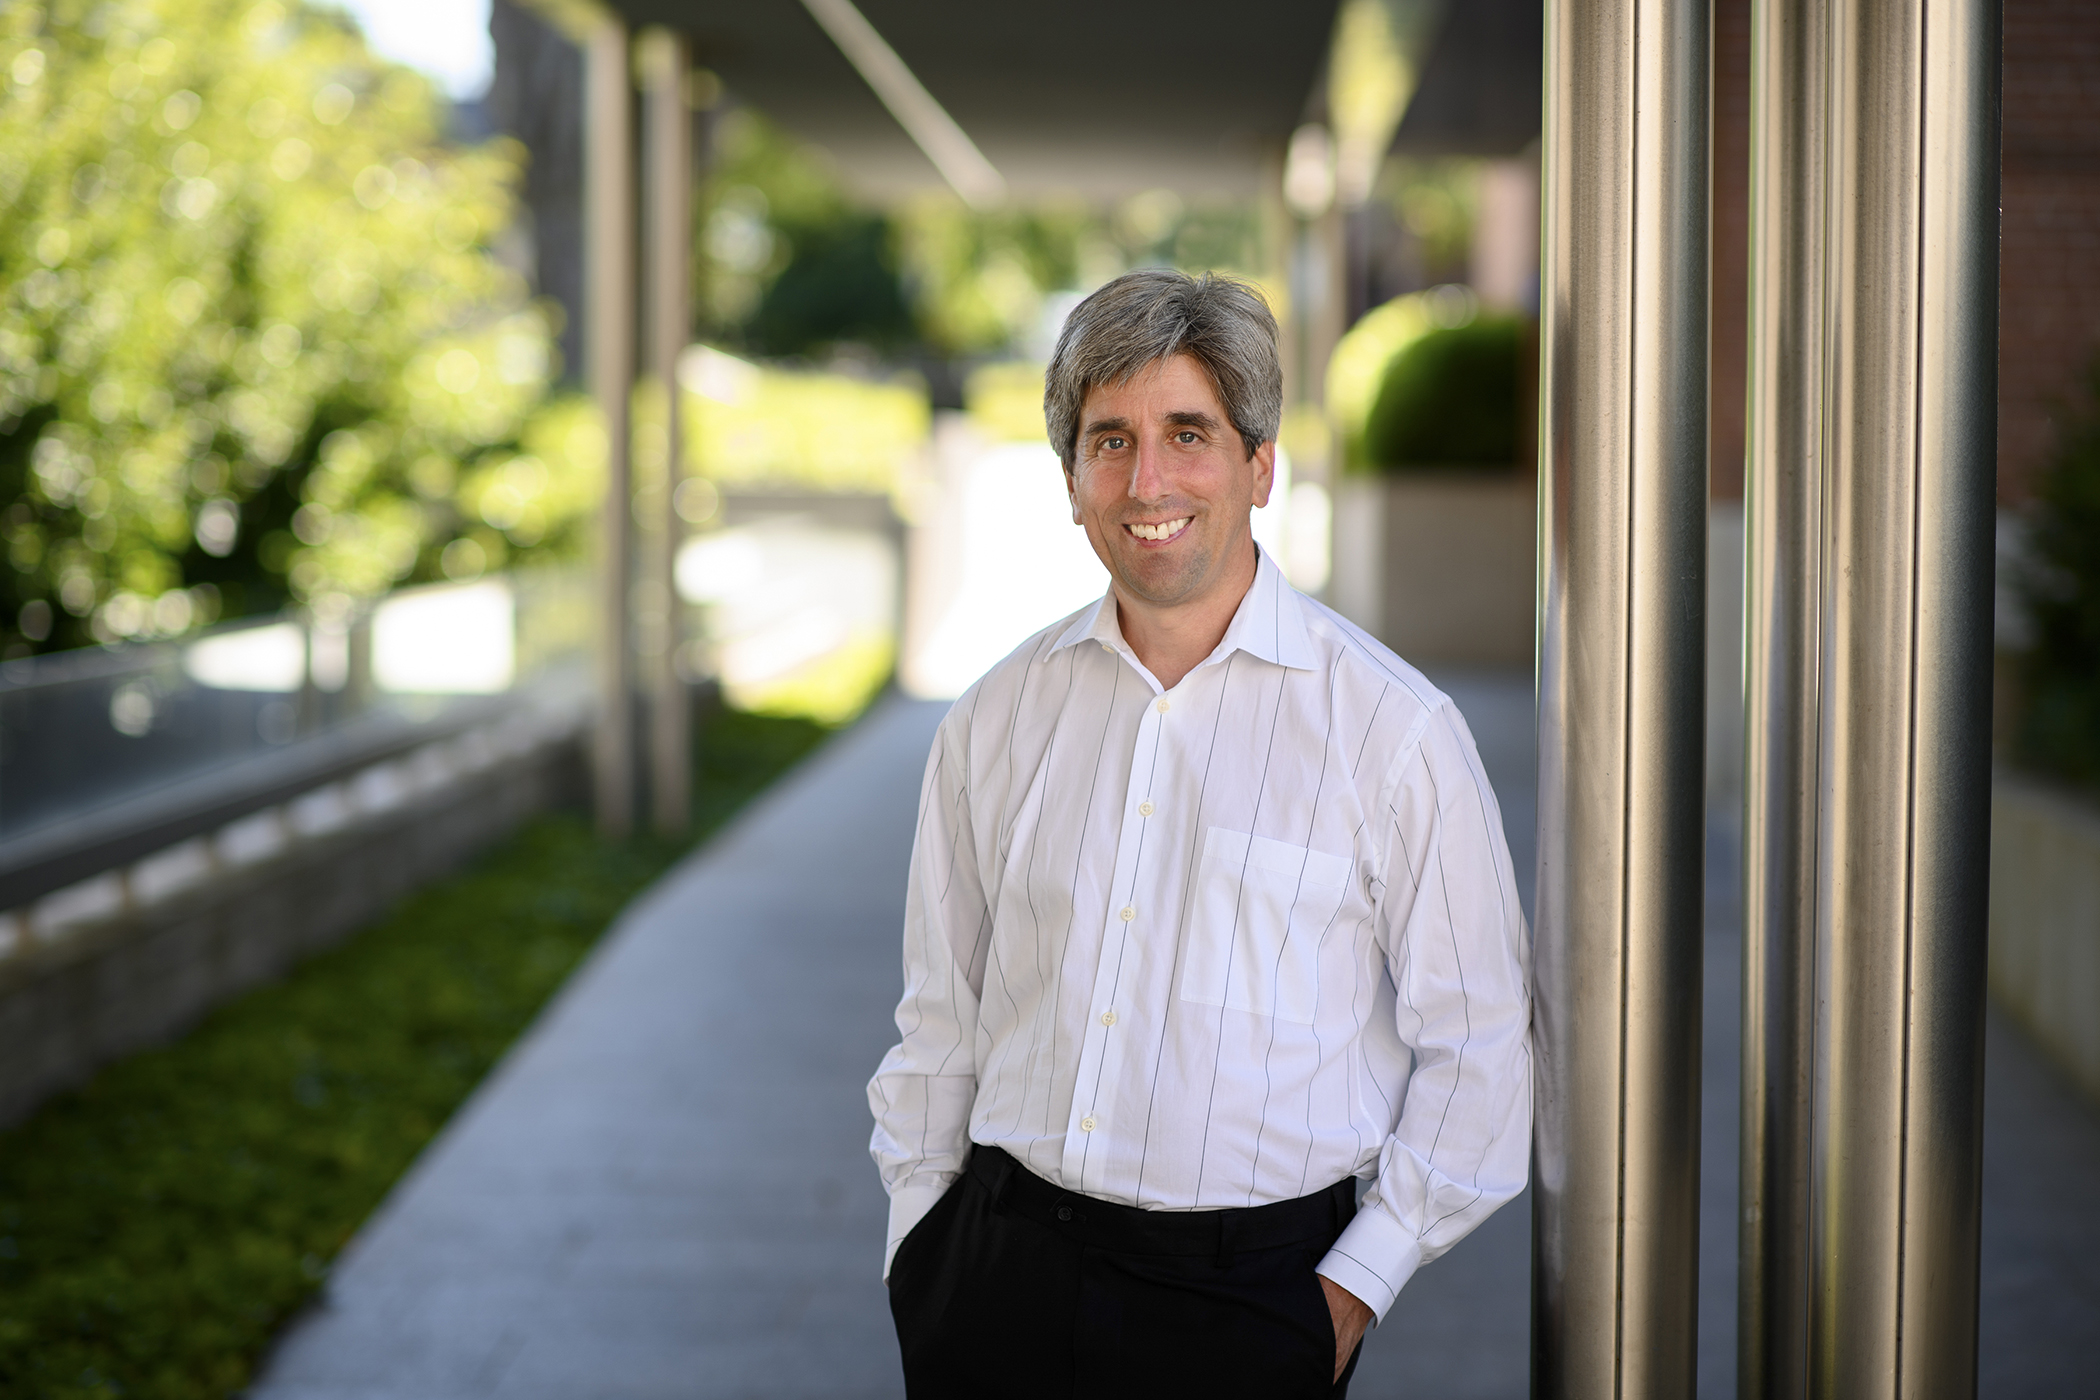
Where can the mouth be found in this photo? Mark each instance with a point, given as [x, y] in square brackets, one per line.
[1165, 530]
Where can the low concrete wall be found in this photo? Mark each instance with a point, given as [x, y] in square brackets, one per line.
[74, 997]
[1440, 566]
[2045, 920]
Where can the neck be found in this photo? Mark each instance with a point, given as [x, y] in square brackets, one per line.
[1173, 639]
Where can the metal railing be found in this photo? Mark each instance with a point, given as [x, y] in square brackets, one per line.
[109, 756]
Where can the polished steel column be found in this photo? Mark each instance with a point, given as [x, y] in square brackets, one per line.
[1911, 352]
[1783, 600]
[1621, 680]
[667, 200]
[609, 335]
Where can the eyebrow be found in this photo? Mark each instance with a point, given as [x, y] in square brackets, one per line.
[1192, 418]
[1179, 418]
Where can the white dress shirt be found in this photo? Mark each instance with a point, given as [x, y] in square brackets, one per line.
[1219, 945]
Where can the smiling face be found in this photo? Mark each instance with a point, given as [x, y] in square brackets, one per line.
[1164, 486]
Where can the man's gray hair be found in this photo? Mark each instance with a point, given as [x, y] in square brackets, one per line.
[1149, 315]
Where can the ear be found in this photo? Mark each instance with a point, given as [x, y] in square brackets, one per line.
[1264, 472]
[1072, 495]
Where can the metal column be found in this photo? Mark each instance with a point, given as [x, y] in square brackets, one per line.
[1621, 682]
[1783, 601]
[1910, 316]
[609, 300]
[667, 199]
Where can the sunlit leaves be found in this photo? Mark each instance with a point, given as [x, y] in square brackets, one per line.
[228, 236]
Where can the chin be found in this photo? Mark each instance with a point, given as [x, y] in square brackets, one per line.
[1160, 579]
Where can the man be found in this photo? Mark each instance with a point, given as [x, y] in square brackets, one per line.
[1210, 920]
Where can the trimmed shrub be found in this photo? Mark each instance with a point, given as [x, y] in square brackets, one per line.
[2059, 732]
[1449, 400]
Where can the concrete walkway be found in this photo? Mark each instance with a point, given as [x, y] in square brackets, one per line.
[665, 1191]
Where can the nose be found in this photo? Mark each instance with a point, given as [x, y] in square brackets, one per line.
[1148, 474]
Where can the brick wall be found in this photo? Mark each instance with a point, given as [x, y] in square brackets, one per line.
[1728, 307]
[2049, 298]
[2049, 286]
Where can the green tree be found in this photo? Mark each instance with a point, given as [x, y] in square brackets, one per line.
[2060, 726]
[790, 264]
[253, 341]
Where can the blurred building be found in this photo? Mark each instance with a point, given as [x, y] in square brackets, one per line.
[536, 97]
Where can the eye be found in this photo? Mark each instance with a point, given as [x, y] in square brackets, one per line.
[1114, 442]
[1185, 435]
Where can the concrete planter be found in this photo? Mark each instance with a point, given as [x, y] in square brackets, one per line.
[1439, 565]
[2045, 920]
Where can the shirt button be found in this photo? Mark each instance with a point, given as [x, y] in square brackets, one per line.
[1161, 705]
[1106, 646]
[1086, 1125]
[1126, 914]
[1144, 809]
[1108, 1018]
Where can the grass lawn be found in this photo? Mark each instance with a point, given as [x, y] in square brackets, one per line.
[158, 1226]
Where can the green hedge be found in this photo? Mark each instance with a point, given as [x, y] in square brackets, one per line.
[2059, 732]
[160, 1225]
[1450, 399]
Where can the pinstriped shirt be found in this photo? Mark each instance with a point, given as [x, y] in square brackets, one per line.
[1217, 945]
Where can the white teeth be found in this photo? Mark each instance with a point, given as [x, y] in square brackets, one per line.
[1164, 531]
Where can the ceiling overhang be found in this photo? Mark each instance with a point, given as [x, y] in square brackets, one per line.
[1091, 98]
[1482, 84]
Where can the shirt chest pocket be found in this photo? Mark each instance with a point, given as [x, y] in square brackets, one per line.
[1261, 907]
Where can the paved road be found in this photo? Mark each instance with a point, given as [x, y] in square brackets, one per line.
[665, 1191]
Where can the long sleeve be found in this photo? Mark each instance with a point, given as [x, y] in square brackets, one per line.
[1457, 950]
[922, 1094]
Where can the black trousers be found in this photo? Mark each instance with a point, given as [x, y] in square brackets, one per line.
[1011, 1287]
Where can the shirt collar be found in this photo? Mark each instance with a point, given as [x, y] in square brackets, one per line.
[1269, 623]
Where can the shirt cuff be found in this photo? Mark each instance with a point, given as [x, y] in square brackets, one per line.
[1373, 1259]
[909, 1204]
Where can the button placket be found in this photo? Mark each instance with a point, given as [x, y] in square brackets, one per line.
[1100, 1051]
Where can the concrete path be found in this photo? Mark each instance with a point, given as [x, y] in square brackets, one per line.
[665, 1191]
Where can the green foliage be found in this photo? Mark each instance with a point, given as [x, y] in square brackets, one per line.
[250, 328]
[979, 280]
[158, 1226]
[840, 286]
[2060, 728]
[793, 266]
[808, 429]
[761, 183]
[1435, 200]
[1449, 399]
